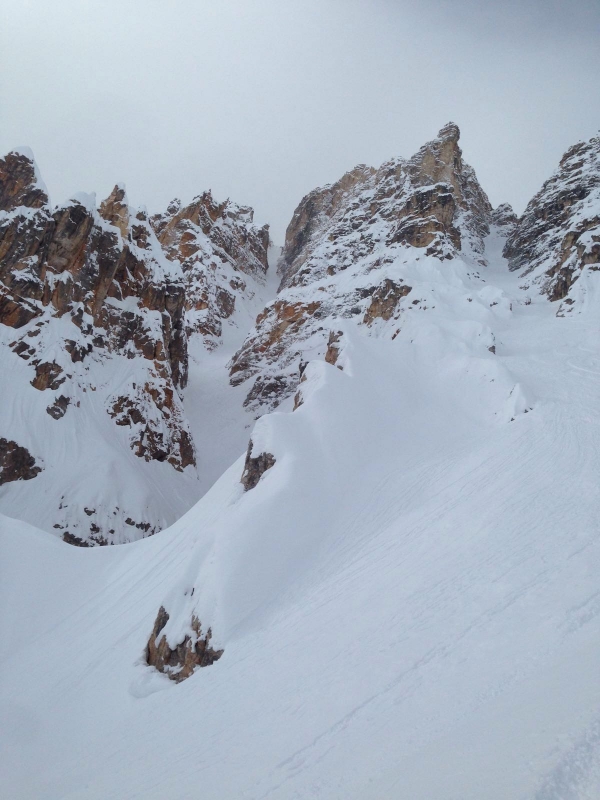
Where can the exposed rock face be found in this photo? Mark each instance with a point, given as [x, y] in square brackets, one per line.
[20, 184]
[96, 313]
[428, 201]
[255, 467]
[179, 662]
[504, 217]
[221, 253]
[59, 408]
[47, 375]
[558, 236]
[344, 253]
[16, 463]
[384, 301]
[110, 278]
[93, 288]
[333, 347]
[115, 210]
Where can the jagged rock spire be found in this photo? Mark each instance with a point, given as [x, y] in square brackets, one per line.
[20, 183]
[115, 209]
[558, 235]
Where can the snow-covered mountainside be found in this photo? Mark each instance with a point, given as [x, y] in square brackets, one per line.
[94, 326]
[214, 242]
[394, 592]
[361, 251]
[556, 243]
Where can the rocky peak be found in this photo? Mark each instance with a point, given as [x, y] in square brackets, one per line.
[342, 254]
[227, 225]
[557, 240]
[20, 183]
[89, 291]
[115, 209]
[504, 217]
[222, 254]
[96, 306]
[440, 159]
[432, 200]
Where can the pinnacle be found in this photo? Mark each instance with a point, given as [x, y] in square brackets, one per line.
[450, 131]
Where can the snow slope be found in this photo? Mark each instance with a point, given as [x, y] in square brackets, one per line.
[408, 600]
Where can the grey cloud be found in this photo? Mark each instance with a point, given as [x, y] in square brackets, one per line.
[262, 101]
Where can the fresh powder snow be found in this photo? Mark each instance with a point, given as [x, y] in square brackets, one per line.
[407, 601]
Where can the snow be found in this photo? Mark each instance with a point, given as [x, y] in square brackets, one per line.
[84, 451]
[85, 199]
[407, 601]
[27, 153]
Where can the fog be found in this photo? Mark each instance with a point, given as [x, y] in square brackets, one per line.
[262, 101]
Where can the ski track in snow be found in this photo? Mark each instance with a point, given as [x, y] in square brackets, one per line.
[410, 606]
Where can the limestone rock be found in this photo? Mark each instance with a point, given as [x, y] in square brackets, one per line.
[419, 201]
[384, 301]
[255, 467]
[504, 217]
[179, 662]
[47, 376]
[59, 408]
[115, 210]
[222, 254]
[16, 462]
[558, 236]
[86, 289]
[20, 184]
[344, 252]
[333, 347]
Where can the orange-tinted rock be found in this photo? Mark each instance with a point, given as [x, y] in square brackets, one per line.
[16, 463]
[19, 184]
[385, 300]
[48, 375]
[210, 240]
[179, 663]
[558, 235]
[343, 254]
[66, 263]
[116, 211]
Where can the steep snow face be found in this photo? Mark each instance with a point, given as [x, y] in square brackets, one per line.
[363, 251]
[556, 244]
[94, 324]
[407, 600]
[223, 257]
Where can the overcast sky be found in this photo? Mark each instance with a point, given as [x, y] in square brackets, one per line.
[262, 100]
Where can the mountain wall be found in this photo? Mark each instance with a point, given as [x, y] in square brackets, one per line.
[557, 240]
[343, 257]
[95, 318]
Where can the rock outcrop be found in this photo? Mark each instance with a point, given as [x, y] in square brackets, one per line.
[255, 467]
[180, 661]
[97, 304]
[222, 255]
[104, 271]
[16, 462]
[504, 217]
[20, 182]
[558, 237]
[344, 257]
[93, 288]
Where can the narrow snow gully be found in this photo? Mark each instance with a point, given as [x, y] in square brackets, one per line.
[406, 600]
[220, 424]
